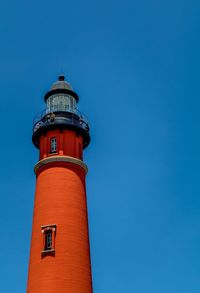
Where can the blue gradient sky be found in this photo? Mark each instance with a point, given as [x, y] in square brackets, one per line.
[135, 65]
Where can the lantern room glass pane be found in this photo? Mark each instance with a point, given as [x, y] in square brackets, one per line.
[61, 102]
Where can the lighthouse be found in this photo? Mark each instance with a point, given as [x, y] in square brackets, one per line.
[60, 253]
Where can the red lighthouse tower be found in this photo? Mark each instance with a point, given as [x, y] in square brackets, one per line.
[59, 255]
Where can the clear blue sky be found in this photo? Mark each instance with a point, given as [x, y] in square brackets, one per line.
[136, 67]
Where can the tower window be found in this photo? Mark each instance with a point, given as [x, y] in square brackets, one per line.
[53, 145]
[48, 240]
[49, 234]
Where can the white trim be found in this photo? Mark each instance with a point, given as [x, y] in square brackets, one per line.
[66, 159]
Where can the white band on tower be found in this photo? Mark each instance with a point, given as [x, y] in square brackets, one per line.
[66, 159]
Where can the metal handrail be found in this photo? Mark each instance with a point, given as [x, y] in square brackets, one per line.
[76, 117]
[41, 114]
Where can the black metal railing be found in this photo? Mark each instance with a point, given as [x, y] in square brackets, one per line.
[60, 116]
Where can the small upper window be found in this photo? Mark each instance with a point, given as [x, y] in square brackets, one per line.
[53, 145]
